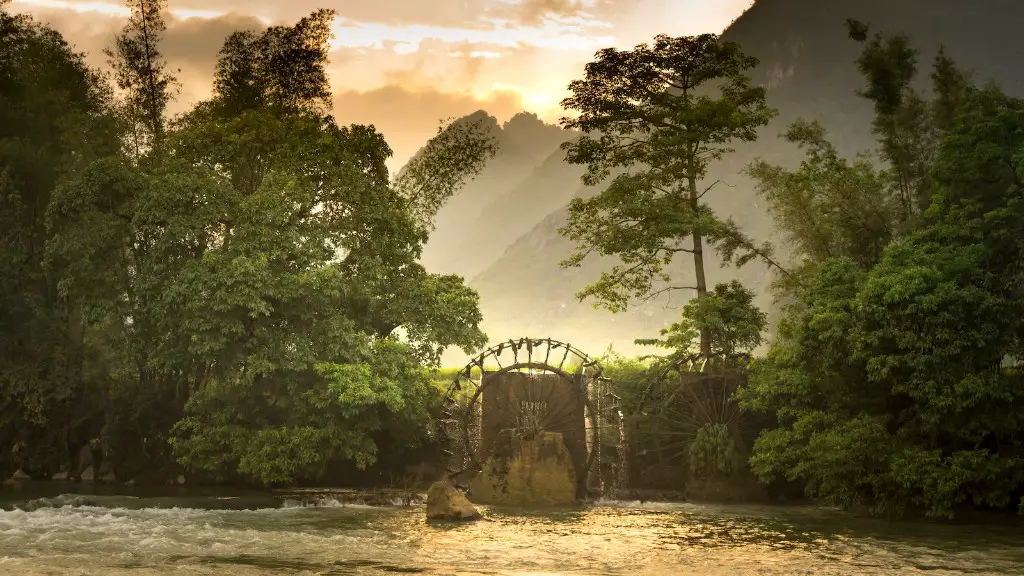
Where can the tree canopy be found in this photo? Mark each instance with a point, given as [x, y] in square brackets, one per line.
[240, 285]
[650, 114]
[890, 378]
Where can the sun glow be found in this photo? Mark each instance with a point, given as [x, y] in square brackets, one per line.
[545, 102]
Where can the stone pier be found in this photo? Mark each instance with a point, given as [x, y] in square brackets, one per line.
[515, 400]
[526, 471]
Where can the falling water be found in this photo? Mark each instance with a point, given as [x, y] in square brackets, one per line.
[621, 482]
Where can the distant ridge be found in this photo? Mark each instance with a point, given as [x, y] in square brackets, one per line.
[469, 234]
[807, 62]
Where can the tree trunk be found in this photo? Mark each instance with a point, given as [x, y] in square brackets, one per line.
[698, 265]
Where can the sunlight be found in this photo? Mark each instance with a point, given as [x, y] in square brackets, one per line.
[551, 34]
[543, 101]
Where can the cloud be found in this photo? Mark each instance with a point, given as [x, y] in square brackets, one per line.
[536, 11]
[407, 118]
[189, 45]
[437, 13]
[403, 64]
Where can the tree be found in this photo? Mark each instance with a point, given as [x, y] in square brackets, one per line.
[828, 207]
[141, 73]
[727, 313]
[248, 288]
[833, 208]
[908, 128]
[282, 68]
[889, 379]
[458, 153]
[55, 117]
[647, 112]
[307, 267]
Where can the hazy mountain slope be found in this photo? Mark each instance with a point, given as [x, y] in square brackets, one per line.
[500, 222]
[808, 63]
[524, 142]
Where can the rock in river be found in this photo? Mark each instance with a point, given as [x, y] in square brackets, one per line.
[446, 502]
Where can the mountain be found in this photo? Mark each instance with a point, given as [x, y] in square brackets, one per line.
[468, 237]
[808, 64]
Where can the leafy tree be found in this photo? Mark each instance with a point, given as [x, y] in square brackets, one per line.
[888, 381]
[458, 152]
[246, 275]
[54, 118]
[281, 68]
[828, 207]
[833, 208]
[728, 314]
[648, 112]
[141, 73]
[309, 275]
[889, 65]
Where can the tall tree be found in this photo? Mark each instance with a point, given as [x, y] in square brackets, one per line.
[455, 155]
[282, 67]
[55, 117]
[889, 380]
[830, 207]
[906, 126]
[650, 113]
[141, 73]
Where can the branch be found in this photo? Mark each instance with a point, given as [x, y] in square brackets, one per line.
[706, 190]
[656, 293]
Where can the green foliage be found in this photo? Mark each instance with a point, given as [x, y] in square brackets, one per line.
[54, 118]
[458, 152]
[141, 73]
[646, 112]
[728, 314]
[889, 65]
[281, 68]
[318, 414]
[712, 452]
[241, 285]
[888, 381]
[828, 207]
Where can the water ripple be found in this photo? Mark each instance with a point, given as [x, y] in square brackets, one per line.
[625, 539]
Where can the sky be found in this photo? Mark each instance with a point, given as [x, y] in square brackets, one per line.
[404, 65]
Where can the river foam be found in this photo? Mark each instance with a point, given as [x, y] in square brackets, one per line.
[318, 535]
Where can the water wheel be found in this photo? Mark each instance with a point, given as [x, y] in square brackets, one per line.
[528, 385]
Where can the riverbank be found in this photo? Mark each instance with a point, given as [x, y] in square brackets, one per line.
[30, 496]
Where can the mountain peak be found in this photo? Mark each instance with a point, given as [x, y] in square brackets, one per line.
[490, 122]
[523, 119]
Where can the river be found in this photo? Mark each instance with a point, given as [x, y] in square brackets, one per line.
[187, 532]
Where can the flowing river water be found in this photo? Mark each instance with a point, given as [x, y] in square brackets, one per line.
[220, 533]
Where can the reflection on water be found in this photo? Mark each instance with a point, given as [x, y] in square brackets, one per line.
[613, 538]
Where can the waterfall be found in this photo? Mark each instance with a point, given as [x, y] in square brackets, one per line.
[621, 481]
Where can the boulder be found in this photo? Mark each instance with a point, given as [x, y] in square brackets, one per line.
[85, 459]
[18, 477]
[534, 470]
[106, 473]
[446, 502]
[87, 475]
[61, 476]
